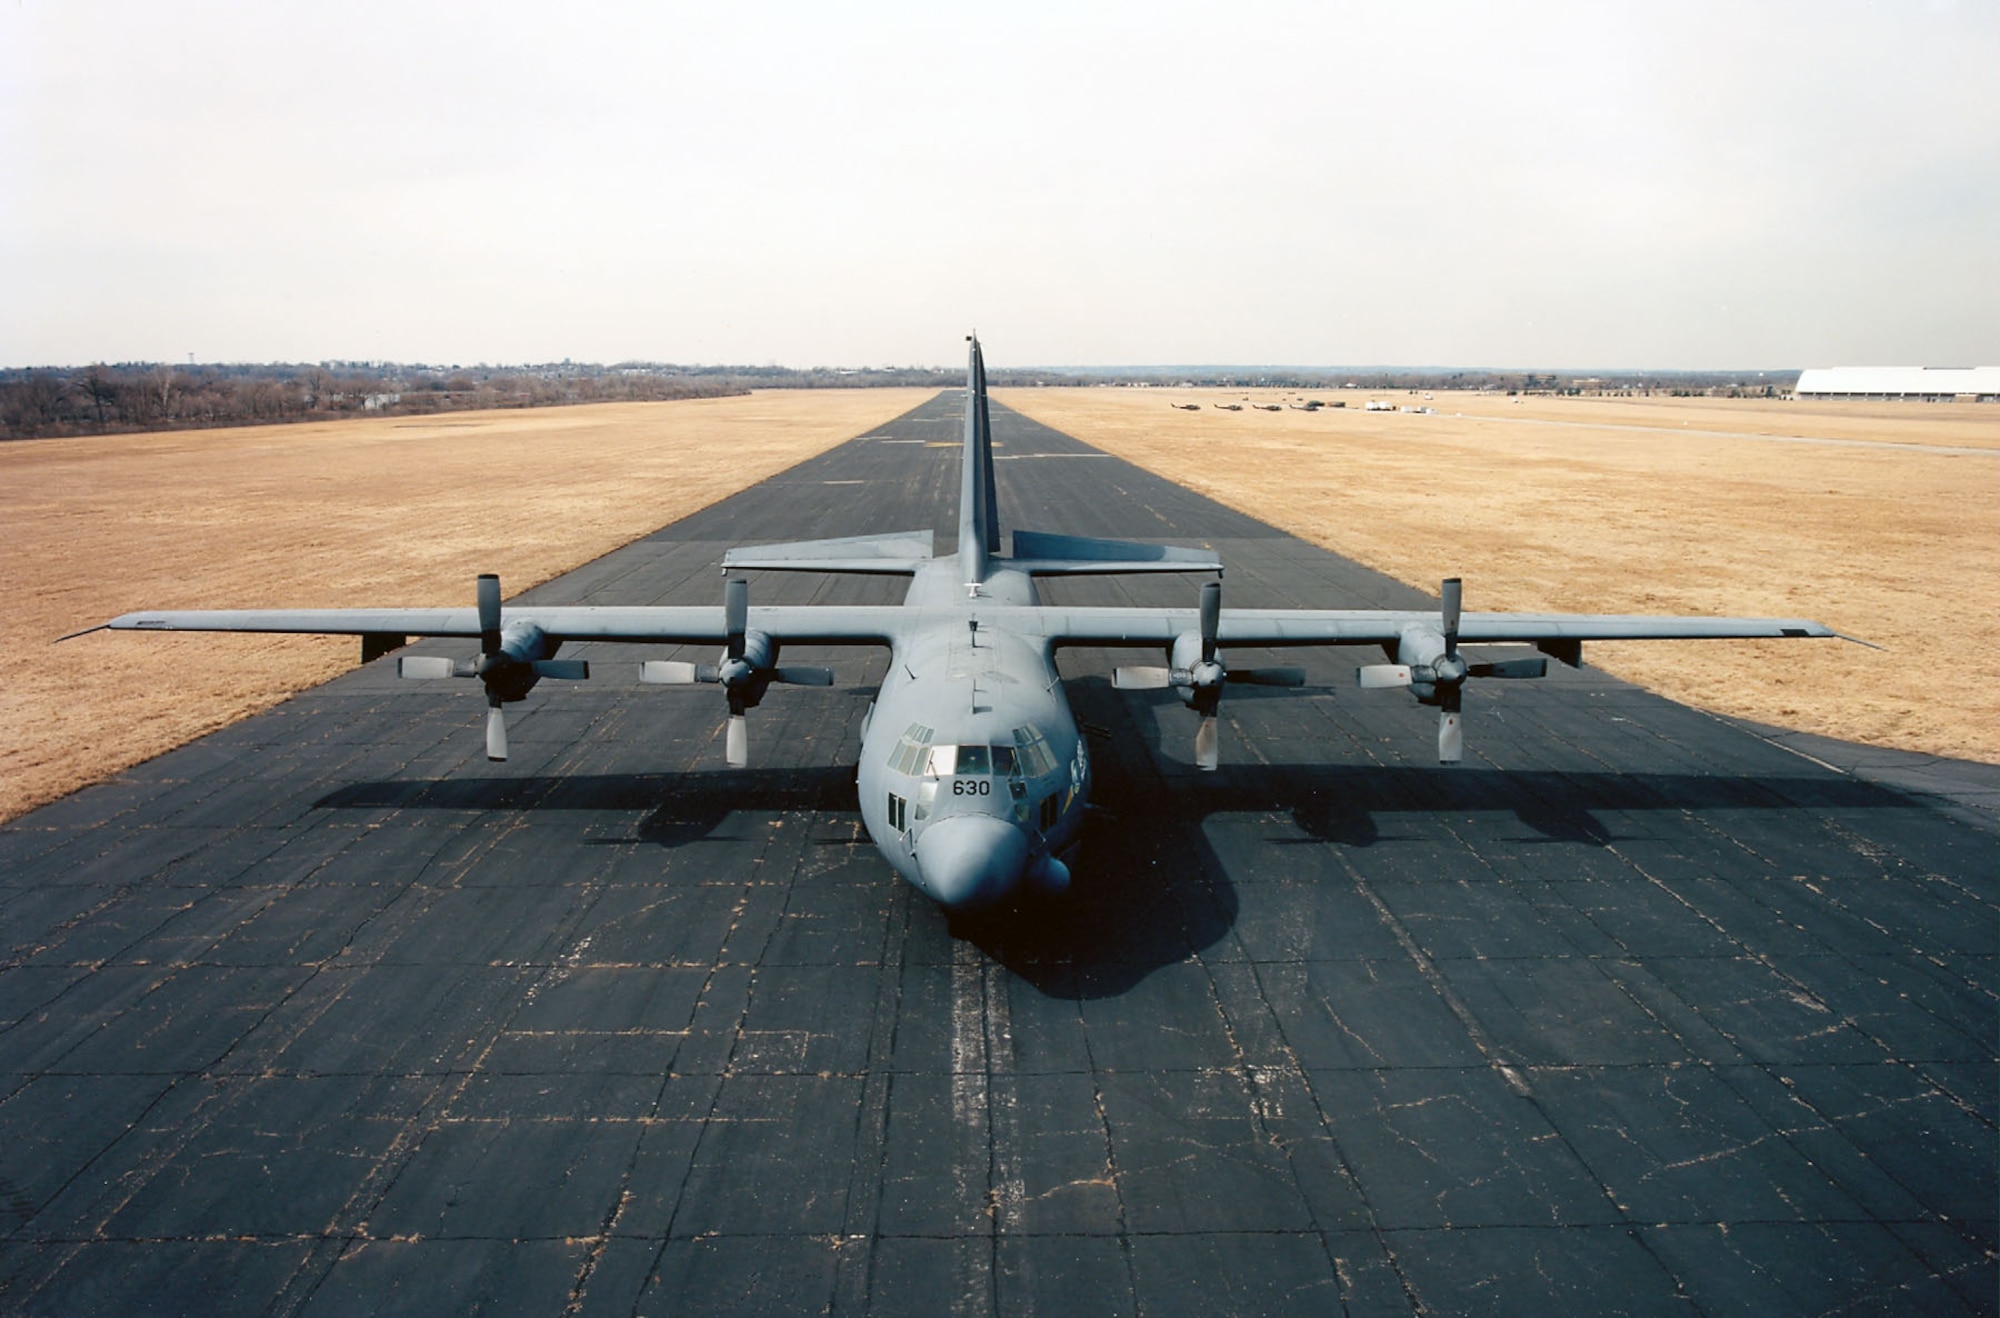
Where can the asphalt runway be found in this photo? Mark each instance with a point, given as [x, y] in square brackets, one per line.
[1635, 1011]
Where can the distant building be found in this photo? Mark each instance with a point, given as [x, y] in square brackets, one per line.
[1936, 383]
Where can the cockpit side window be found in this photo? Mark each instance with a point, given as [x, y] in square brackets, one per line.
[1032, 750]
[911, 749]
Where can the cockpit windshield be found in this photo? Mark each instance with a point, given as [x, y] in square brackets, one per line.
[1028, 757]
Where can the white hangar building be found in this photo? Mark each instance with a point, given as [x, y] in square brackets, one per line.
[1932, 382]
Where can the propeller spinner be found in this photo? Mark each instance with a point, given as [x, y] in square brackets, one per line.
[1432, 669]
[747, 670]
[1197, 674]
[511, 660]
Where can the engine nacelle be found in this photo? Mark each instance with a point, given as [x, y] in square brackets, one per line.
[1197, 681]
[1424, 650]
[509, 673]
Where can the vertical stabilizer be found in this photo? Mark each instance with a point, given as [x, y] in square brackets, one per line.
[978, 519]
[991, 515]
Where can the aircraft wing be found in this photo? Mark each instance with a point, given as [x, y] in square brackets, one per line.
[803, 624]
[1282, 627]
[818, 624]
[1535, 627]
[1421, 645]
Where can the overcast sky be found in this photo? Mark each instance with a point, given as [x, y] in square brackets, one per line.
[1533, 184]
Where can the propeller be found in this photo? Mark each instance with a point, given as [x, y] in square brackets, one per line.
[747, 670]
[1206, 678]
[511, 660]
[1438, 675]
[1198, 674]
[492, 667]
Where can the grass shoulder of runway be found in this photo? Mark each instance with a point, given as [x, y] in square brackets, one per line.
[1877, 518]
[368, 512]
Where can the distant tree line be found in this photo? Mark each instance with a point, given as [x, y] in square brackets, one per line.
[102, 399]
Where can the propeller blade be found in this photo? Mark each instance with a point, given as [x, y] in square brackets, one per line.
[1510, 668]
[736, 613]
[1376, 676]
[496, 734]
[1211, 618]
[423, 668]
[1268, 676]
[1207, 744]
[489, 614]
[1142, 679]
[566, 670]
[810, 676]
[1451, 737]
[736, 742]
[1451, 597]
[674, 672]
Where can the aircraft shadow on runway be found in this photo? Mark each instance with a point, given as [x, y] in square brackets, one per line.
[1151, 888]
[1350, 805]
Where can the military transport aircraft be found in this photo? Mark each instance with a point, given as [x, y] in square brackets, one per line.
[973, 776]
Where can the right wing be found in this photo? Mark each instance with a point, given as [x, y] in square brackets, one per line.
[518, 645]
[791, 624]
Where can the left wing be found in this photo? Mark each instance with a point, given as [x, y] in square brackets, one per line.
[1280, 627]
[1423, 646]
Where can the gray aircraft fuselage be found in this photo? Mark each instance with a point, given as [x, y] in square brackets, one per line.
[973, 778]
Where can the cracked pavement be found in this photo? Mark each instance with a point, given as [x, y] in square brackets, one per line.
[1634, 1011]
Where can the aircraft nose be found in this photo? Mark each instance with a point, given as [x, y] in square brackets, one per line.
[971, 860]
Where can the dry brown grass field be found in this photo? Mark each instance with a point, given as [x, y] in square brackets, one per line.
[389, 511]
[1644, 505]
[1570, 504]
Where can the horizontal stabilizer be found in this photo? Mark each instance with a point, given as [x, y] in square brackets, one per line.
[890, 553]
[1048, 555]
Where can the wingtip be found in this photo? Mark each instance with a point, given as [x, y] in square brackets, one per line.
[100, 627]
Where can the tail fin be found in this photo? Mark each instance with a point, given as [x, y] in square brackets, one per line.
[978, 510]
[1038, 553]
